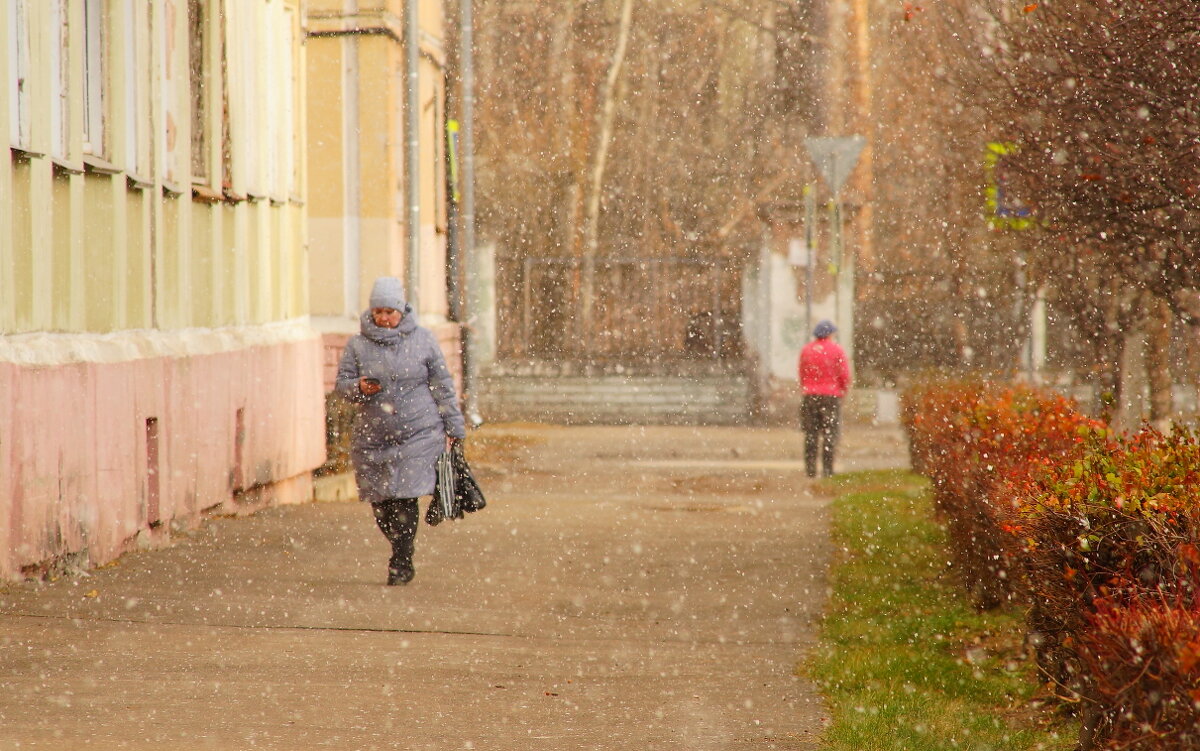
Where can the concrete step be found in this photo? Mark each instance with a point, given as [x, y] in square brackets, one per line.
[615, 399]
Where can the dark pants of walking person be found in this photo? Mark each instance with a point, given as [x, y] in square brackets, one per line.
[820, 420]
[397, 519]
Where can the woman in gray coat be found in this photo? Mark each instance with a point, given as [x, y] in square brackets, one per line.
[409, 414]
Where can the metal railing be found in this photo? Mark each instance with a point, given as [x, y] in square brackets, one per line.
[644, 309]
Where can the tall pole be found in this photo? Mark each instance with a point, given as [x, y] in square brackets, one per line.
[810, 242]
[861, 91]
[467, 133]
[352, 297]
[846, 264]
[835, 256]
[412, 127]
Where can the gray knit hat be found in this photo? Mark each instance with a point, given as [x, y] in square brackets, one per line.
[388, 292]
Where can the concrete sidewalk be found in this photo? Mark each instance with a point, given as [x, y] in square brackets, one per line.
[626, 588]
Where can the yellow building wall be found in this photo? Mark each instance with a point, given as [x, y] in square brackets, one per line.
[88, 246]
[356, 62]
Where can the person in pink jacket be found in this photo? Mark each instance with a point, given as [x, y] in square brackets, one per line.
[824, 374]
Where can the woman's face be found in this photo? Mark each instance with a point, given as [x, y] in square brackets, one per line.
[386, 318]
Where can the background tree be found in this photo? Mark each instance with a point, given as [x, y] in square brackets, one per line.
[653, 129]
[945, 289]
[1102, 97]
[1099, 98]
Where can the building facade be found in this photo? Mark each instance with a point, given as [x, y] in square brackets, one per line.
[156, 361]
[363, 212]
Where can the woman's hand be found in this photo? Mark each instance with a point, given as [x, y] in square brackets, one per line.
[369, 386]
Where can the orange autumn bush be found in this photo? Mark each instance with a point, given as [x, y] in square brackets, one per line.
[1097, 535]
[977, 441]
[1115, 532]
[1144, 663]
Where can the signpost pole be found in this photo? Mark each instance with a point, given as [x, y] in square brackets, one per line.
[835, 158]
[810, 243]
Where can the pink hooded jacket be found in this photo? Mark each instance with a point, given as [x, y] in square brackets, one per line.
[823, 368]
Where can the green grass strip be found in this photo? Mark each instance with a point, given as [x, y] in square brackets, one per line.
[904, 661]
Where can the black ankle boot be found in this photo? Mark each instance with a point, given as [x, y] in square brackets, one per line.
[400, 571]
[397, 519]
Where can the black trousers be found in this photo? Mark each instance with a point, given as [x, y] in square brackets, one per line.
[820, 419]
[397, 519]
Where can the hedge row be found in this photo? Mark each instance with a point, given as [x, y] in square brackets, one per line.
[974, 440]
[1096, 535]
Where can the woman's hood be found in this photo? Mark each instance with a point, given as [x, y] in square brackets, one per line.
[380, 335]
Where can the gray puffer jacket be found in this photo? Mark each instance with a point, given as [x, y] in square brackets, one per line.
[399, 432]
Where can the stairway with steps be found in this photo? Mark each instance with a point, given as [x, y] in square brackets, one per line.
[709, 395]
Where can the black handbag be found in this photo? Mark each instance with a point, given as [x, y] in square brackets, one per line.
[456, 491]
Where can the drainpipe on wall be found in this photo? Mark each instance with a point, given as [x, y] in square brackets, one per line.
[352, 227]
[412, 125]
[467, 238]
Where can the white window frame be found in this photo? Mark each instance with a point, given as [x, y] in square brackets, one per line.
[234, 28]
[293, 162]
[18, 72]
[244, 38]
[287, 144]
[169, 106]
[60, 89]
[248, 78]
[272, 35]
[95, 79]
[134, 75]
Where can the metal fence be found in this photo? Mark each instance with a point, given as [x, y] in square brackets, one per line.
[643, 309]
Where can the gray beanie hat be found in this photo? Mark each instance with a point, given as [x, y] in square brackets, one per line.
[388, 292]
[824, 330]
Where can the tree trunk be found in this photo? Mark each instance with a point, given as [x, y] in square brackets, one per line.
[1158, 362]
[608, 109]
[562, 79]
[1090, 726]
[862, 178]
[1109, 350]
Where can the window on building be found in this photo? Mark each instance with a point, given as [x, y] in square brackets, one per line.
[169, 166]
[18, 72]
[273, 129]
[250, 61]
[136, 86]
[247, 77]
[291, 164]
[198, 82]
[60, 120]
[95, 79]
[226, 117]
[281, 129]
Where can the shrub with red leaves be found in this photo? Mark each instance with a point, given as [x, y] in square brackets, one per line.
[1144, 662]
[1100, 535]
[977, 442]
[927, 411]
[1117, 528]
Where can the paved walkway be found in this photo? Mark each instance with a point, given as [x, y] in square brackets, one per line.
[626, 588]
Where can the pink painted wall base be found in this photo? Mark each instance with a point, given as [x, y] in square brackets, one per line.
[97, 457]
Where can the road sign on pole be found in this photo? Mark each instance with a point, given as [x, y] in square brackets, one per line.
[835, 158]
